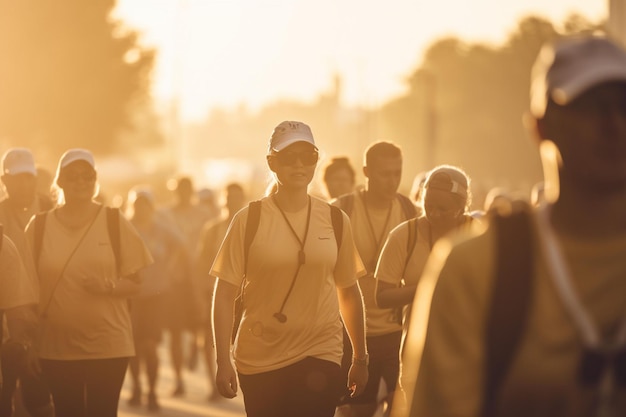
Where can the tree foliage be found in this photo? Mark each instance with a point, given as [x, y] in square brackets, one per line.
[69, 74]
[468, 104]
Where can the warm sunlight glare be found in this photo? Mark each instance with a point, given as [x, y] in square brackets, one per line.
[227, 53]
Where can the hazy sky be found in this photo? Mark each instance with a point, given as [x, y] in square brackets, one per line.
[231, 52]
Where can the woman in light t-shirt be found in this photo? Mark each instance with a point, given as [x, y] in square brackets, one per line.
[299, 280]
[86, 336]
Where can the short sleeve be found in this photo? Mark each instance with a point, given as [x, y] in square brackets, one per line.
[393, 256]
[229, 261]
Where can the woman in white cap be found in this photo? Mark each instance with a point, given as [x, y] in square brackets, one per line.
[299, 279]
[446, 200]
[87, 267]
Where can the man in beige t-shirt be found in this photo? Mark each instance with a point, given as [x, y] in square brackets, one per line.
[374, 212]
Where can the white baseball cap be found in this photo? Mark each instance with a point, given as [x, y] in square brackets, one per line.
[288, 133]
[18, 161]
[568, 67]
[76, 154]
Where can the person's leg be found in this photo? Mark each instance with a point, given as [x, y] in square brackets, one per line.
[104, 379]
[152, 372]
[36, 397]
[134, 368]
[209, 359]
[264, 394]
[315, 387]
[176, 357]
[390, 367]
[65, 380]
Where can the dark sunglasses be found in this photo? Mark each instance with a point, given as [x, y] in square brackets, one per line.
[75, 177]
[288, 158]
[595, 363]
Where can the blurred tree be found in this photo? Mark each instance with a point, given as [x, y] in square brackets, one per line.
[466, 101]
[69, 74]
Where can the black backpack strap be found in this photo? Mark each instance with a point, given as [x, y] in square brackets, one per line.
[410, 242]
[408, 208]
[252, 224]
[510, 301]
[336, 217]
[40, 226]
[113, 228]
[346, 203]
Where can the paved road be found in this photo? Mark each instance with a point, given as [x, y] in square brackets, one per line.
[194, 404]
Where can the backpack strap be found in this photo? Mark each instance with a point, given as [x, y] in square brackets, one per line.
[510, 301]
[336, 217]
[113, 228]
[346, 203]
[40, 227]
[252, 224]
[408, 208]
[410, 242]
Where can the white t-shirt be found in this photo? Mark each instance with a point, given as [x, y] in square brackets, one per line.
[313, 326]
[77, 324]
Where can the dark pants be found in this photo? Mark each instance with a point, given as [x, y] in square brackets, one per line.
[384, 364]
[85, 388]
[309, 388]
[34, 391]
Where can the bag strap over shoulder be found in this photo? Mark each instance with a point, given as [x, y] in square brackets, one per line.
[510, 300]
[346, 203]
[408, 208]
[336, 217]
[113, 229]
[410, 242]
[252, 224]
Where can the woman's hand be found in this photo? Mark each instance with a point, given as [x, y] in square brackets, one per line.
[226, 380]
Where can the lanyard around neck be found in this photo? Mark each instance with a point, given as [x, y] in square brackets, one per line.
[561, 276]
[301, 256]
[378, 240]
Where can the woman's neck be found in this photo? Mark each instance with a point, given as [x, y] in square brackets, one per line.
[291, 200]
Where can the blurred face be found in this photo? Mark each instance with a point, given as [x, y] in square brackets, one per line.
[339, 183]
[383, 176]
[443, 209]
[295, 165]
[235, 199]
[142, 208]
[590, 133]
[184, 191]
[78, 181]
[21, 189]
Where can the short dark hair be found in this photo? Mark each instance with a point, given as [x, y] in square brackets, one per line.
[337, 164]
[382, 149]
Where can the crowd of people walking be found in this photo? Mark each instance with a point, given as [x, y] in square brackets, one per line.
[359, 303]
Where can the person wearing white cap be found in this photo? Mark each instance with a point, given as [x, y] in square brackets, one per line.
[446, 199]
[19, 180]
[85, 338]
[551, 341]
[299, 280]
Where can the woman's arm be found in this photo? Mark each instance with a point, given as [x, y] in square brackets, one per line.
[351, 307]
[223, 300]
[390, 296]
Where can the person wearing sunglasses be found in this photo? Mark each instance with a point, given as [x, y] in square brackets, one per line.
[86, 337]
[446, 199]
[300, 280]
[552, 341]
